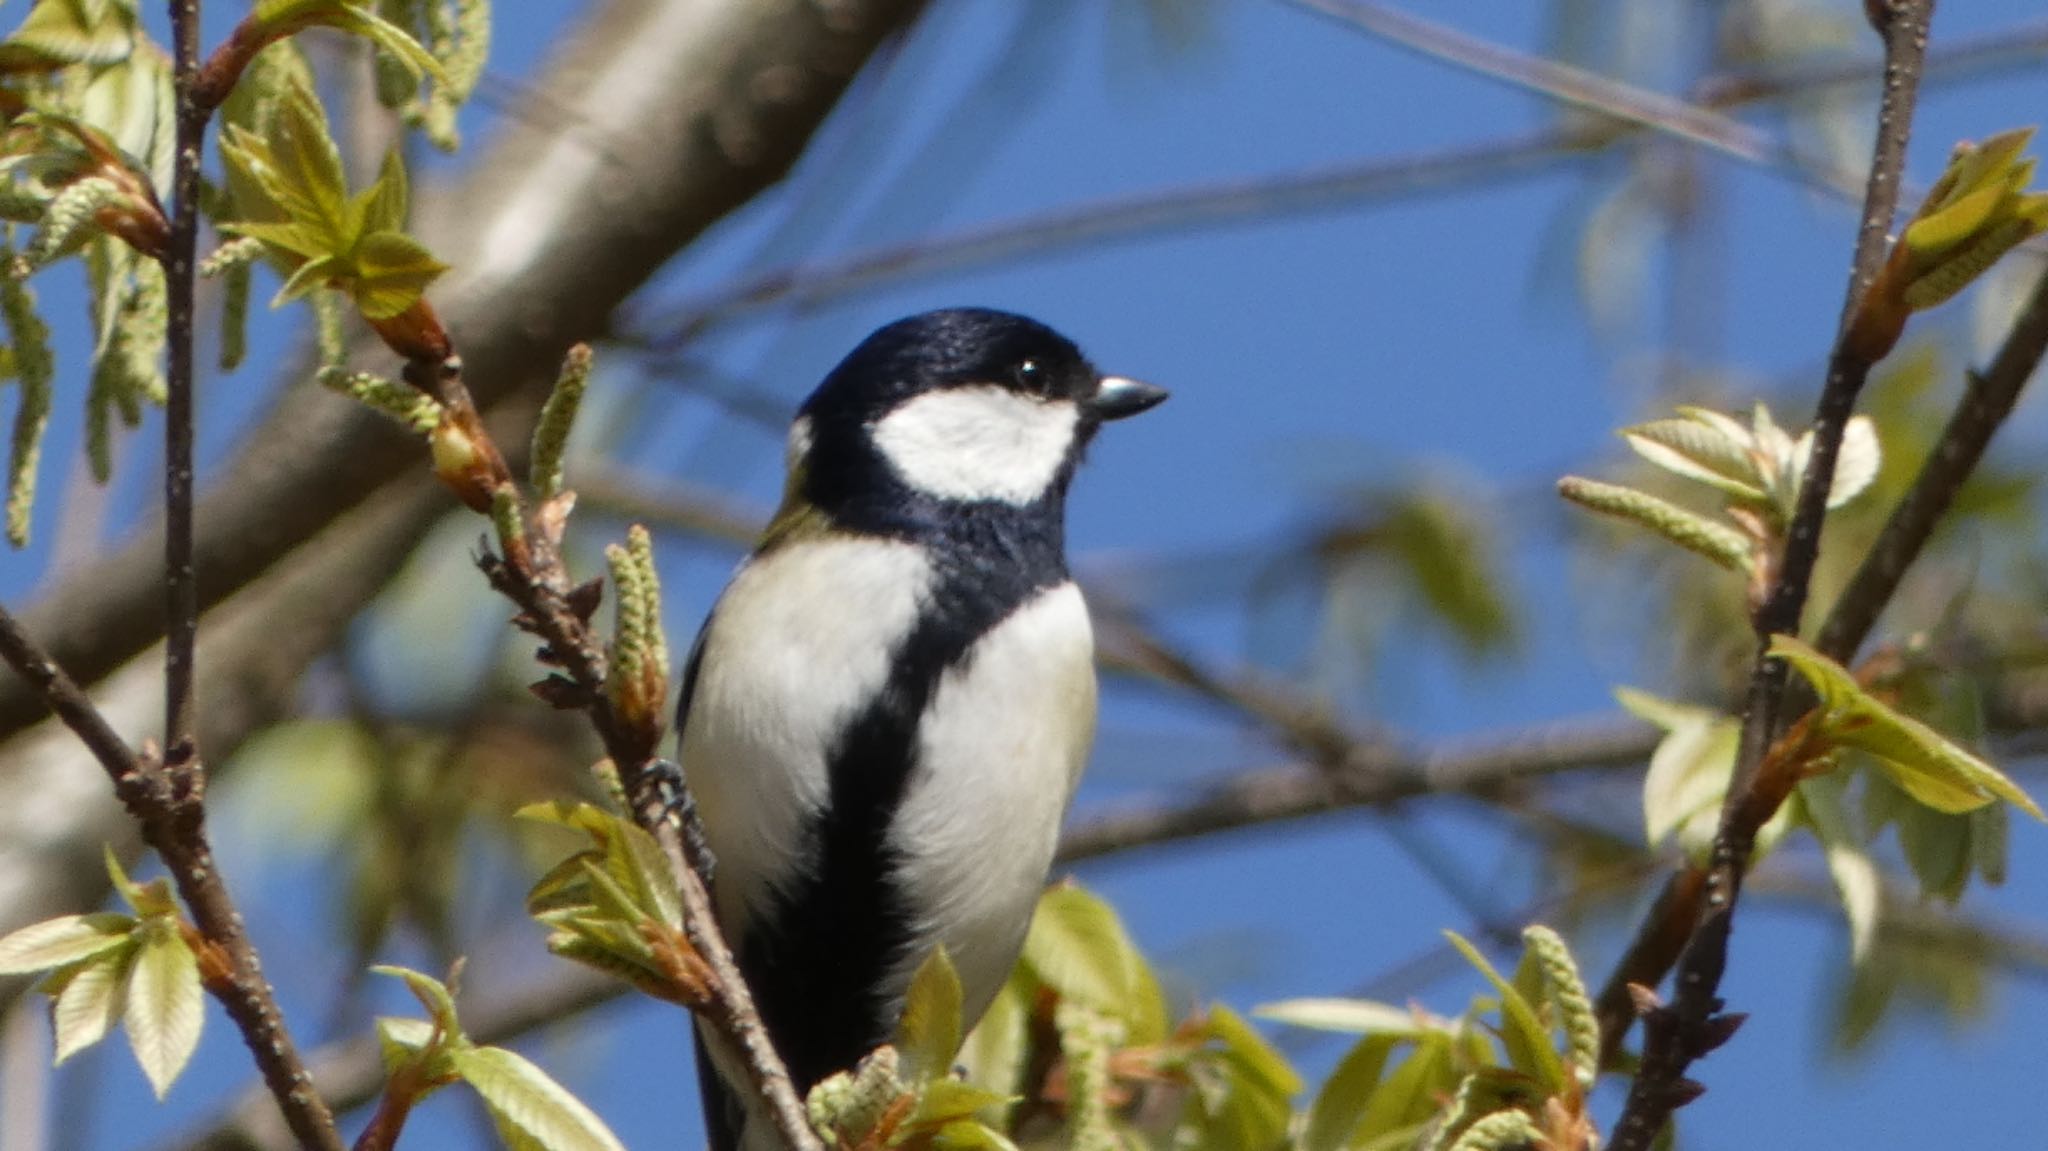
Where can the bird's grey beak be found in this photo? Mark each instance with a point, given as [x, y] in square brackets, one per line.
[1117, 397]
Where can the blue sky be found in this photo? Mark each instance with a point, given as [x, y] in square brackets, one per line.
[1309, 354]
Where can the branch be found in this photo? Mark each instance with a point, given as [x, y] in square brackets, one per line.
[548, 234]
[1988, 400]
[321, 505]
[350, 1073]
[1564, 83]
[1136, 217]
[167, 805]
[181, 588]
[625, 710]
[1298, 791]
[1691, 1026]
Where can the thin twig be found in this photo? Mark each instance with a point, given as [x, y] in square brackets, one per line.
[531, 574]
[181, 588]
[1561, 82]
[1692, 1025]
[1988, 400]
[168, 808]
[1298, 791]
[350, 1073]
[1132, 218]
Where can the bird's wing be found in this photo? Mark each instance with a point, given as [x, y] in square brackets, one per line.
[689, 689]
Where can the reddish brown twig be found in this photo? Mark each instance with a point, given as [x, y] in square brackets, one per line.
[167, 806]
[528, 570]
[1693, 1024]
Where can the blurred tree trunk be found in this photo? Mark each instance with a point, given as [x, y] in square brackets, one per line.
[664, 116]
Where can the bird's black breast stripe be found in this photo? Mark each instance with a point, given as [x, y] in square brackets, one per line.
[816, 964]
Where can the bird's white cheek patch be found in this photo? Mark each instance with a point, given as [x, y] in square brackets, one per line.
[978, 443]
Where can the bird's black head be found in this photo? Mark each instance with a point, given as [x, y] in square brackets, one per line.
[960, 406]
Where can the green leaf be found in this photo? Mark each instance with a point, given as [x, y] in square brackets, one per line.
[1857, 460]
[1522, 1030]
[942, 1101]
[401, 1040]
[1937, 847]
[136, 106]
[292, 15]
[419, 1045]
[432, 994]
[1919, 759]
[1235, 1115]
[1341, 1104]
[117, 876]
[969, 1135]
[381, 207]
[613, 903]
[310, 277]
[1689, 772]
[296, 238]
[90, 998]
[996, 1053]
[1444, 550]
[165, 1007]
[1660, 712]
[928, 1035]
[1077, 947]
[532, 1112]
[309, 181]
[1932, 236]
[1715, 453]
[1253, 1056]
[1353, 1016]
[392, 271]
[1855, 874]
[1408, 1094]
[66, 939]
[631, 857]
[59, 32]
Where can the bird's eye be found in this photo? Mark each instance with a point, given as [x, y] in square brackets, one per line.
[1030, 374]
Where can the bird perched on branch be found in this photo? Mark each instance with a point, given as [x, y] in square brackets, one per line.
[885, 715]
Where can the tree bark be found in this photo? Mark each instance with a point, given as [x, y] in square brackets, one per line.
[667, 116]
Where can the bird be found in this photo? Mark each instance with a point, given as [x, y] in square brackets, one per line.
[886, 713]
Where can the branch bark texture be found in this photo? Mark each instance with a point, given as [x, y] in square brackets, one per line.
[1693, 1024]
[676, 124]
[167, 804]
[684, 113]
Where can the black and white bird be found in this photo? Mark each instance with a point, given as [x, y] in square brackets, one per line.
[886, 714]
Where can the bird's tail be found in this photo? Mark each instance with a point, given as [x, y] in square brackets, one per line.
[725, 1112]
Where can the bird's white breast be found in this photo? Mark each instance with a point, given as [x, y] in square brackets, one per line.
[978, 443]
[799, 642]
[1001, 748]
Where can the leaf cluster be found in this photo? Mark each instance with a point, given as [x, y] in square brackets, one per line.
[87, 131]
[614, 905]
[1513, 1070]
[906, 1094]
[287, 191]
[1756, 471]
[1082, 1045]
[530, 1110]
[141, 969]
